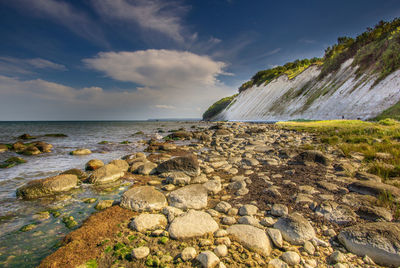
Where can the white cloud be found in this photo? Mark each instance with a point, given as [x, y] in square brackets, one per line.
[161, 16]
[158, 68]
[65, 14]
[11, 65]
[43, 100]
[161, 106]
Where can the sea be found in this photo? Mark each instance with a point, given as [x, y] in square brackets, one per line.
[27, 249]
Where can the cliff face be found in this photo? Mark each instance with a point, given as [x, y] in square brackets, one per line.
[341, 93]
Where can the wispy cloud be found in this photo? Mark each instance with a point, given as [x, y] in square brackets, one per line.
[161, 16]
[65, 14]
[12, 66]
[307, 41]
[161, 106]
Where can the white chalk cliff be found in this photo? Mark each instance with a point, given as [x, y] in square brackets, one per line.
[341, 93]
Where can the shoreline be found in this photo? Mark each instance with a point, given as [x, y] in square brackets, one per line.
[235, 180]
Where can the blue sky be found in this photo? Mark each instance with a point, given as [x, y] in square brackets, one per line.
[139, 59]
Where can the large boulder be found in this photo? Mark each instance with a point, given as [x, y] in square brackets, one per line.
[44, 147]
[143, 198]
[94, 164]
[312, 156]
[187, 164]
[295, 228]
[192, 224]
[380, 241]
[373, 188]
[191, 196]
[106, 174]
[48, 186]
[121, 164]
[339, 214]
[146, 222]
[251, 237]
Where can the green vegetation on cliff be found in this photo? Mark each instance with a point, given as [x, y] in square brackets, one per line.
[217, 107]
[291, 69]
[393, 112]
[376, 50]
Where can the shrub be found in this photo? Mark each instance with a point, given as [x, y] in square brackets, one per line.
[217, 107]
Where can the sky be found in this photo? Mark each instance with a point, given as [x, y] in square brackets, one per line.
[141, 59]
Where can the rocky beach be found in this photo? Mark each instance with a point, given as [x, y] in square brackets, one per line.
[230, 194]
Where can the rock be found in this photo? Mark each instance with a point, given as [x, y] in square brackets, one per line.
[94, 164]
[202, 178]
[276, 237]
[82, 175]
[44, 147]
[250, 161]
[191, 196]
[106, 174]
[181, 135]
[147, 168]
[356, 200]
[168, 147]
[247, 210]
[178, 178]
[373, 188]
[26, 137]
[328, 186]
[121, 164]
[103, 204]
[140, 252]
[228, 220]
[364, 176]
[251, 237]
[18, 146]
[171, 212]
[188, 254]
[220, 233]
[277, 263]
[250, 220]
[312, 156]
[187, 164]
[213, 186]
[336, 257]
[31, 150]
[309, 247]
[208, 259]
[380, 241]
[279, 210]
[3, 148]
[221, 250]
[373, 213]
[291, 258]
[148, 222]
[223, 207]
[267, 221]
[295, 228]
[48, 186]
[81, 152]
[192, 224]
[339, 214]
[143, 198]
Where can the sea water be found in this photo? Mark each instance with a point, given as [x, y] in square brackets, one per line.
[26, 249]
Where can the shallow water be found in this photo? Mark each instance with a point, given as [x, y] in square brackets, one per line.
[26, 249]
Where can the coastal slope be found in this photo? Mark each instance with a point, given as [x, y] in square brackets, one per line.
[358, 78]
[342, 94]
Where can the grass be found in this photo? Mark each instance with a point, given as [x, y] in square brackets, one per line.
[378, 142]
[217, 107]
